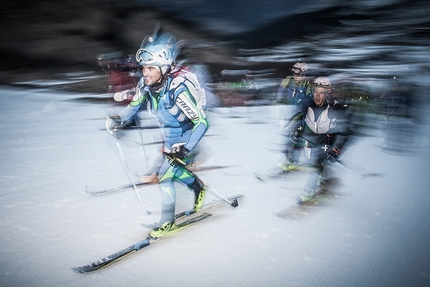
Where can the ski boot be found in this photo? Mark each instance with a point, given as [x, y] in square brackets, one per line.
[286, 165]
[199, 194]
[162, 230]
[305, 196]
[167, 221]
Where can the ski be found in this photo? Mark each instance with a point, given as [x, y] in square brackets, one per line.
[117, 189]
[294, 211]
[125, 187]
[276, 172]
[272, 173]
[297, 210]
[135, 128]
[209, 167]
[209, 205]
[106, 261]
[232, 199]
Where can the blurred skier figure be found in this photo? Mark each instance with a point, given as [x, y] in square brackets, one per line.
[321, 134]
[175, 97]
[295, 89]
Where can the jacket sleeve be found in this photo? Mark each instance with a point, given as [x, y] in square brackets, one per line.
[342, 127]
[133, 107]
[193, 111]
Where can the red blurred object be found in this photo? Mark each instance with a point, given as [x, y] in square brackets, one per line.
[122, 72]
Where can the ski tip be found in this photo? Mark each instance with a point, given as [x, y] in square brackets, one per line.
[257, 176]
[373, 174]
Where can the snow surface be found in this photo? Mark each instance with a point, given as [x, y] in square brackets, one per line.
[370, 232]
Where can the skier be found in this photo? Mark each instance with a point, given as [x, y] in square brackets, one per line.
[295, 89]
[166, 90]
[321, 133]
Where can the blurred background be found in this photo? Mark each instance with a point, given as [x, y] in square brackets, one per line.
[375, 52]
[65, 59]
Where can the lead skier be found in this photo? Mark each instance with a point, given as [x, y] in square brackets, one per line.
[178, 107]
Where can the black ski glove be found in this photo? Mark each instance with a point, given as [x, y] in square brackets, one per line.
[181, 154]
[296, 137]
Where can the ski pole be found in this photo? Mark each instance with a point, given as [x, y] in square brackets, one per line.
[233, 203]
[143, 144]
[347, 169]
[131, 177]
[356, 174]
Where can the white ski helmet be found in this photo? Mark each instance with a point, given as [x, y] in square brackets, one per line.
[322, 82]
[159, 49]
[299, 68]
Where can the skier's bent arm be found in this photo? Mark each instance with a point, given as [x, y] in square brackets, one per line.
[196, 115]
[131, 109]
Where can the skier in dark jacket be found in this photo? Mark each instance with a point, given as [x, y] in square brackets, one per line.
[321, 133]
[295, 89]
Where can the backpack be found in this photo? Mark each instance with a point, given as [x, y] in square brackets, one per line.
[182, 75]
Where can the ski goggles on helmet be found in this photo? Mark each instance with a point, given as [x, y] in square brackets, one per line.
[154, 55]
[144, 56]
[297, 71]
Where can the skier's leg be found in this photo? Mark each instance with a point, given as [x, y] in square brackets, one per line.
[168, 198]
[313, 177]
[151, 175]
[310, 187]
[193, 183]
